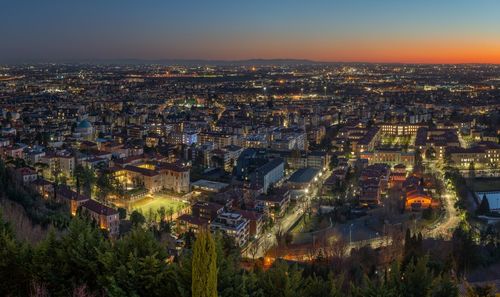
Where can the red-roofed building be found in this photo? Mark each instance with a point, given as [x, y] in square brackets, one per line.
[74, 200]
[13, 151]
[43, 187]
[187, 222]
[105, 216]
[26, 175]
[155, 176]
[415, 197]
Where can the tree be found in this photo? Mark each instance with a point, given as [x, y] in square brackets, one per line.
[204, 266]
[8, 117]
[417, 278]
[334, 162]
[122, 213]
[412, 247]
[82, 262]
[137, 219]
[315, 286]
[41, 168]
[162, 213]
[429, 214]
[484, 206]
[418, 158]
[118, 188]
[430, 154]
[86, 178]
[281, 280]
[472, 174]
[170, 213]
[78, 185]
[252, 286]
[375, 288]
[253, 248]
[337, 252]
[104, 186]
[481, 291]
[135, 266]
[71, 261]
[230, 282]
[443, 286]
[14, 277]
[465, 250]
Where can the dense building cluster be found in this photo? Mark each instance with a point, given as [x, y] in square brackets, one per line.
[237, 146]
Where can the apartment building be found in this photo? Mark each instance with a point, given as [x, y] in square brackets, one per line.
[233, 225]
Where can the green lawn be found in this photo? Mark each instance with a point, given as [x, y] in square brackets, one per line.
[391, 141]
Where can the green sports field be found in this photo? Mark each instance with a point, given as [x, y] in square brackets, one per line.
[156, 202]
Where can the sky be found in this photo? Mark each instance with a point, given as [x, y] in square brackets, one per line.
[406, 31]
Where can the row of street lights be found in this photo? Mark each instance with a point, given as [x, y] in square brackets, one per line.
[301, 90]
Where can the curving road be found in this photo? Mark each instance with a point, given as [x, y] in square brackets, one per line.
[450, 219]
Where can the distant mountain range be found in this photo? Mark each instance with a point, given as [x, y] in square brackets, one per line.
[205, 62]
[194, 62]
[251, 62]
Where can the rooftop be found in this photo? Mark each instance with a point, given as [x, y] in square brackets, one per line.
[304, 175]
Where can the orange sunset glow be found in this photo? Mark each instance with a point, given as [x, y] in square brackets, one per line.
[346, 31]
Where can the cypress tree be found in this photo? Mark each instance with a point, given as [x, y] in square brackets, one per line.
[204, 267]
[484, 207]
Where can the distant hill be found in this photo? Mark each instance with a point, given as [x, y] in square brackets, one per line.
[206, 62]
[194, 62]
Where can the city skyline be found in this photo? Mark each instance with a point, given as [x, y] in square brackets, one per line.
[327, 31]
[250, 148]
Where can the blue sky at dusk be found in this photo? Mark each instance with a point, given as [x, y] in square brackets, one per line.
[357, 30]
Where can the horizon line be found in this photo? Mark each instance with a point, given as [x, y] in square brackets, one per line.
[222, 60]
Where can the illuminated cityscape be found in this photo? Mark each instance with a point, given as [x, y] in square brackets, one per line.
[219, 168]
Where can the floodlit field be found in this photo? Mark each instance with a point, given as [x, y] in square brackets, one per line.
[157, 201]
[390, 141]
